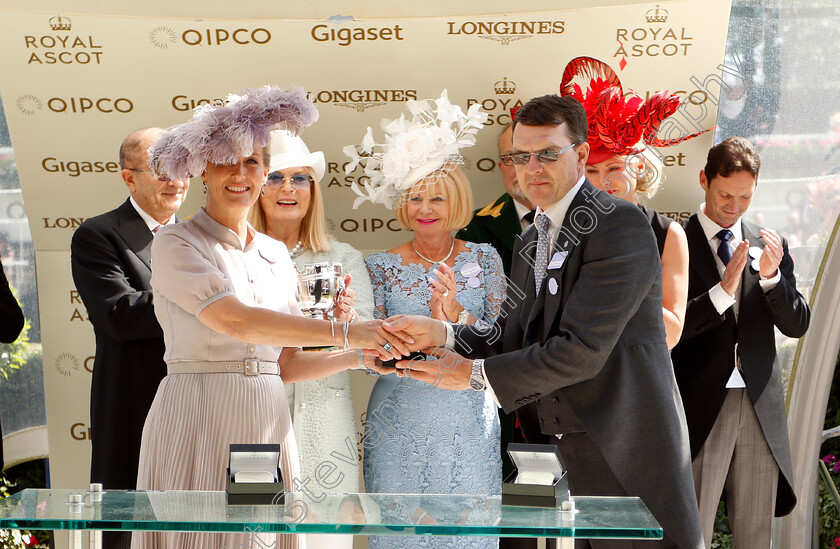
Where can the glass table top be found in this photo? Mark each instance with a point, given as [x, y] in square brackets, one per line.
[360, 514]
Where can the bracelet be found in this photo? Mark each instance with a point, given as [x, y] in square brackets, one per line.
[332, 329]
[360, 360]
[346, 332]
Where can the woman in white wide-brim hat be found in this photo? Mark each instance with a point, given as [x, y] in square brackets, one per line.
[291, 209]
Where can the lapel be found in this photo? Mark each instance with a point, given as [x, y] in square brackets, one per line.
[506, 226]
[750, 288]
[701, 260]
[133, 230]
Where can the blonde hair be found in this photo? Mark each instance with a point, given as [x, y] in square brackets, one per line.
[313, 227]
[457, 190]
[651, 178]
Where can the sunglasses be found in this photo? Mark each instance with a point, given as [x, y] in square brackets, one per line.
[542, 156]
[161, 178]
[299, 181]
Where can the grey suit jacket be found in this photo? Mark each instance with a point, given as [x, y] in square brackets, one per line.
[705, 356]
[593, 357]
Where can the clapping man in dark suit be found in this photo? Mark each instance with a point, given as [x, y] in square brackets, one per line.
[110, 256]
[580, 351]
[740, 286]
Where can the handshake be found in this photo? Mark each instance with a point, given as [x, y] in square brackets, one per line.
[391, 346]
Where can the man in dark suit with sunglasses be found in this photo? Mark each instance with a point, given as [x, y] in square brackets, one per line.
[580, 349]
[110, 256]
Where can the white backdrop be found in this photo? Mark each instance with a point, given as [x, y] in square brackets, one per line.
[74, 84]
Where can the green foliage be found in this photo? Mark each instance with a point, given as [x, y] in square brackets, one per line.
[14, 355]
[722, 536]
[829, 514]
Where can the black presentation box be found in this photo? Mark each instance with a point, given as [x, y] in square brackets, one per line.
[260, 462]
[535, 460]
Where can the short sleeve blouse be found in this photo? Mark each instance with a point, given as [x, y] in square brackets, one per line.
[200, 261]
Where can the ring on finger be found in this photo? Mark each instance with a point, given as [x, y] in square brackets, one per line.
[387, 346]
[446, 293]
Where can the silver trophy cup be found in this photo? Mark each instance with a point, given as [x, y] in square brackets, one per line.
[319, 287]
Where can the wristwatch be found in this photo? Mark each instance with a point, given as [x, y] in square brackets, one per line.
[477, 382]
[464, 317]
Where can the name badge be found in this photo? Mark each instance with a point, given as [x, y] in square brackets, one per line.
[558, 259]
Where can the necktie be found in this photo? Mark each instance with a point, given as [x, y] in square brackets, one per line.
[155, 230]
[529, 217]
[723, 251]
[541, 257]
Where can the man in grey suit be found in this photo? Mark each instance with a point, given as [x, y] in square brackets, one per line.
[110, 258]
[580, 349]
[740, 286]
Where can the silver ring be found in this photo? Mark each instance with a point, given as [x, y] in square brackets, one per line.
[387, 346]
[446, 293]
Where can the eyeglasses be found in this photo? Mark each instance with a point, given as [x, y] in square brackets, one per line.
[298, 181]
[161, 178]
[542, 156]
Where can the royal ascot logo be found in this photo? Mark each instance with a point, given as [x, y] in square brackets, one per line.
[59, 23]
[187, 103]
[29, 104]
[498, 107]
[505, 32]
[345, 36]
[657, 15]
[360, 100]
[162, 37]
[66, 364]
[62, 48]
[652, 40]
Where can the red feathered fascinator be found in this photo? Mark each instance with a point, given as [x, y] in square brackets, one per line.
[619, 122]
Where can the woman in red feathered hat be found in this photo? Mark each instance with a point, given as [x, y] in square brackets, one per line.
[622, 132]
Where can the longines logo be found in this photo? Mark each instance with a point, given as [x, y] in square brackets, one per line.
[162, 37]
[498, 108]
[66, 364]
[186, 103]
[75, 168]
[359, 100]
[652, 40]
[28, 104]
[505, 32]
[65, 223]
[345, 36]
[62, 48]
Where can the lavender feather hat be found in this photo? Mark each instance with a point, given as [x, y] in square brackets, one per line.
[220, 135]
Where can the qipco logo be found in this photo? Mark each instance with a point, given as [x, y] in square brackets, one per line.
[221, 37]
[81, 105]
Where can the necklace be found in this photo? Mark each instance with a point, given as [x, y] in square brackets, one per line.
[294, 251]
[451, 248]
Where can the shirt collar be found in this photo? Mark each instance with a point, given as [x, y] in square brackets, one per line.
[220, 232]
[521, 210]
[150, 221]
[557, 211]
[711, 229]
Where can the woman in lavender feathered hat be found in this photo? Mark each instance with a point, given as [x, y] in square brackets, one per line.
[224, 295]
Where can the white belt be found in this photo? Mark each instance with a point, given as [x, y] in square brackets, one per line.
[249, 367]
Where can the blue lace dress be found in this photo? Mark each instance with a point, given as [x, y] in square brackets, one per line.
[420, 439]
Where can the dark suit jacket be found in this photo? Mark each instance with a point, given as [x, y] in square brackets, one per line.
[496, 224]
[593, 357]
[705, 356]
[110, 257]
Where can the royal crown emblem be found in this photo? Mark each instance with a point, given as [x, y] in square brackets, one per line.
[505, 86]
[59, 23]
[657, 15]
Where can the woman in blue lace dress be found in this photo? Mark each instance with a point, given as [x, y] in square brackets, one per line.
[421, 439]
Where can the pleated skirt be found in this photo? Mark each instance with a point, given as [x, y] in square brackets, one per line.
[186, 441]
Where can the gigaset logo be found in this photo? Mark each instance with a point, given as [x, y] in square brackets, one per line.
[64, 49]
[79, 431]
[505, 32]
[345, 36]
[185, 103]
[75, 168]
